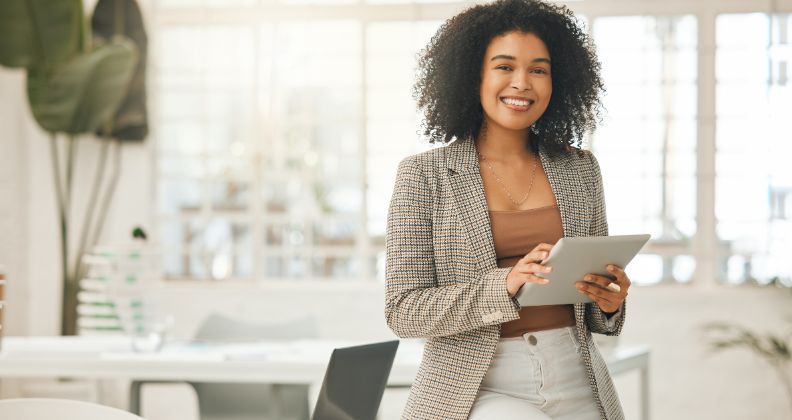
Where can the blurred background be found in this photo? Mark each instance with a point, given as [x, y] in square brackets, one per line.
[275, 129]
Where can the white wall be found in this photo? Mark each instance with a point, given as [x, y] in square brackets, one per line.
[14, 197]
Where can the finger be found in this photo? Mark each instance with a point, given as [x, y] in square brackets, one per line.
[594, 298]
[533, 271]
[535, 256]
[537, 268]
[543, 247]
[608, 302]
[540, 252]
[602, 283]
[601, 300]
[621, 276]
[531, 278]
[591, 287]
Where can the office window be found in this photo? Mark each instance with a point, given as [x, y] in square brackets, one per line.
[278, 144]
[646, 145]
[278, 137]
[204, 120]
[392, 120]
[259, 149]
[753, 177]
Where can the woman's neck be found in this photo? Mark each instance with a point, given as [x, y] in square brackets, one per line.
[496, 143]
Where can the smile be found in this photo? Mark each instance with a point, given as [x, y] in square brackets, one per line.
[517, 104]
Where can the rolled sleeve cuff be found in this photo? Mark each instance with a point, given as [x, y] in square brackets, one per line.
[501, 307]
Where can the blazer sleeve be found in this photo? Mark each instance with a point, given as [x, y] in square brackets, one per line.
[596, 319]
[415, 305]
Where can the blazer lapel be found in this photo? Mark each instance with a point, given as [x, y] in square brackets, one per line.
[471, 203]
[575, 208]
[570, 193]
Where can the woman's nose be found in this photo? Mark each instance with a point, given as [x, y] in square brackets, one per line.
[521, 82]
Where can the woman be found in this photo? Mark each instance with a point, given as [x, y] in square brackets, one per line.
[514, 84]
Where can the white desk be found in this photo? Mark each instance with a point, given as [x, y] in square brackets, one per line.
[293, 362]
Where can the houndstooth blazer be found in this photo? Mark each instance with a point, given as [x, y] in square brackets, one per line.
[443, 283]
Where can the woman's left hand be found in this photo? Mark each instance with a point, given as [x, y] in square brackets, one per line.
[607, 298]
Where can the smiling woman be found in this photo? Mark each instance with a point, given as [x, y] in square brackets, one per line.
[513, 85]
[450, 73]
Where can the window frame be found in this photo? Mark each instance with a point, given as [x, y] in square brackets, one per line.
[704, 246]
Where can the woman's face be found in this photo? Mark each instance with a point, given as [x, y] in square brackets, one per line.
[515, 81]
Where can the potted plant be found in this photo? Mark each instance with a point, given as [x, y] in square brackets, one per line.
[77, 85]
[774, 349]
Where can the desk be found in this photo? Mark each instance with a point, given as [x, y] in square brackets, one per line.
[289, 362]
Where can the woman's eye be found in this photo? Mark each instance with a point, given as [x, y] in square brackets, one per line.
[539, 71]
[503, 68]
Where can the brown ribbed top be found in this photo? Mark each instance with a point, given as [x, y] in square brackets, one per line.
[516, 233]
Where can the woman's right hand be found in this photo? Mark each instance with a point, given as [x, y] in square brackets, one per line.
[526, 268]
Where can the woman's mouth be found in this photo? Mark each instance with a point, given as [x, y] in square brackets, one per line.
[517, 104]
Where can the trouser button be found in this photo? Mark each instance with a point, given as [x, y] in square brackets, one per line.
[532, 340]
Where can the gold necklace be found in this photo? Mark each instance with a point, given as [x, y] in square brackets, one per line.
[503, 184]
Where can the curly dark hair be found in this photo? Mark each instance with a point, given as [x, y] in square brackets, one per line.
[449, 73]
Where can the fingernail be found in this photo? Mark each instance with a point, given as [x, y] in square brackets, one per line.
[589, 278]
[611, 268]
[545, 281]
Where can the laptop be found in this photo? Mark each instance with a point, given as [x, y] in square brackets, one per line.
[355, 381]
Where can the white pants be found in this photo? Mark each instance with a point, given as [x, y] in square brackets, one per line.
[538, 376]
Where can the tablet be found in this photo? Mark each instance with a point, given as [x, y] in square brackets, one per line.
[572, 259]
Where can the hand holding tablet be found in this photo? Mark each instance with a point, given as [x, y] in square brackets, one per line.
[606, 292]
[572, 260]
[527, 268]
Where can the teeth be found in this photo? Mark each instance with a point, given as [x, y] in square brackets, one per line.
[516, 102]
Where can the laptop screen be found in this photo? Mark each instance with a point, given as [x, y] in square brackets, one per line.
[355, 381]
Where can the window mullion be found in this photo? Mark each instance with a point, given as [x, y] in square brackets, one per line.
[256, 154]
[705, 242]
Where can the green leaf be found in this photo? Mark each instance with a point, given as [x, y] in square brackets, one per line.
[123, 17]
[39, 32]
[139, 233]
[770, 347]
[780, 348]
[85, 92]
[16, 34]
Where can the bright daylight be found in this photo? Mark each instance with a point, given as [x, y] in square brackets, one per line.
[395, 209]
